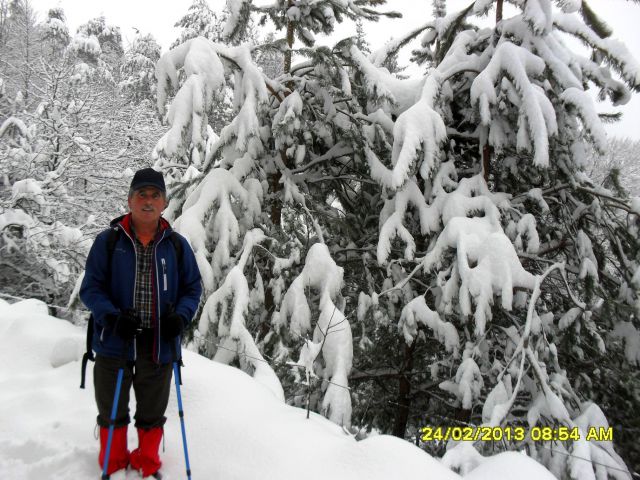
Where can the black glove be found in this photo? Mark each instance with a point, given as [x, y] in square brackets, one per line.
[126, 324]
[171, 325]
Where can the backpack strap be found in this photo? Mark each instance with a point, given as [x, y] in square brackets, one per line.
[88, 355]
[112, 238]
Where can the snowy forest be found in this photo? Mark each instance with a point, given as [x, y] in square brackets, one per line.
[457, 246]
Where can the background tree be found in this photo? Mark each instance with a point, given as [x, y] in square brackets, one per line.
[618, 169]
[66, 158]
[19, 49]
[138, 69]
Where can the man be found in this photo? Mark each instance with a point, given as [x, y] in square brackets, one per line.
[142, 286]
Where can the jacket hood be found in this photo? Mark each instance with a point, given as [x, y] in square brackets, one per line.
[125, 222]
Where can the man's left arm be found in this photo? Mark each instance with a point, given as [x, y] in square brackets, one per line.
[189, 287]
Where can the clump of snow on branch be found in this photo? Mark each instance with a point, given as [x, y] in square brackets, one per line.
[497, 268]
[332, 331]
[417, 312]
[227, 309]
[204, 75]
[221, 190]
[467, 384]
[537, 119]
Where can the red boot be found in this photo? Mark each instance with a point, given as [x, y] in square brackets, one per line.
[119, 455]
[145, 458]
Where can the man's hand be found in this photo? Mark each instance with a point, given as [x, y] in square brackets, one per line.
[171, 325]
[126, 324]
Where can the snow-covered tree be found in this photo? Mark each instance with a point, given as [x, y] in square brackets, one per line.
[262, 210]
[100, 45]
[138, 69]
[200, 21]
[19, 49]
[64, 162]
[430, 248]
[54, 32]
[512, 259]
[619, 168]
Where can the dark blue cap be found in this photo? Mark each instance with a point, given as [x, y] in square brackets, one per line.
[148, 177]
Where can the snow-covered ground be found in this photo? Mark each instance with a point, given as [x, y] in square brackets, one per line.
[236, 428]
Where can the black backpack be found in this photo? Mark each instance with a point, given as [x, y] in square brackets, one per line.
[112, 239]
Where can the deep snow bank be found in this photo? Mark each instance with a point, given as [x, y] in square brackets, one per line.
[236, 428]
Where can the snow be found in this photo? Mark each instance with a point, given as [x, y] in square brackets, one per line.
[537, 117]
[569, 317]
[89, 45]
[619, 55]
[467, 384]
[498, 269]
[28, 188]
[286, 121]
[417, 311]
[220, 188]
[235, 8]
[492, 468]
[17, 124]
[394, 95]
[493, 409]
[583, 103]
[631, 337]
[229, 418]
[332, 330]
[537, 13]
[15, 217]
[204, 76]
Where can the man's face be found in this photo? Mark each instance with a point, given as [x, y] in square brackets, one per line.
[146, 205]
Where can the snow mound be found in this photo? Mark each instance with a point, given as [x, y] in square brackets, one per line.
[236, 428]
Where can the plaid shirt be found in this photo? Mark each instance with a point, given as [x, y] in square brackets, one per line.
[144, 282]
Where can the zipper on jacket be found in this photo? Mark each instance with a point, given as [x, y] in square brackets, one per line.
[164, 273]
[155, 263]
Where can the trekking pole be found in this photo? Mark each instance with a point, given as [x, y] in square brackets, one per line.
[112, 420]
[176, 376]
[114, 408]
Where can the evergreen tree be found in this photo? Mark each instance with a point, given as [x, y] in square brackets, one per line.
[361, 41]
[138, 69]
[520, 267]
[263, 211]
[618, 169]
[19, 49]
[199, 21]
[439, 238]
[99, 44]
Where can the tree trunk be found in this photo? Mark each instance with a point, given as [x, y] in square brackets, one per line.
[288, 54]
[274, 178]
[486, 149]
[404, 389]
[486, 162]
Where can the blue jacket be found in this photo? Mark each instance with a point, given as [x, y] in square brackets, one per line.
[177, 287]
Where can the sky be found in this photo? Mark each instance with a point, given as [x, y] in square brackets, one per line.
[147, 17]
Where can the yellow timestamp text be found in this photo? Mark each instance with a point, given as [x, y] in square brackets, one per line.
[517, 434]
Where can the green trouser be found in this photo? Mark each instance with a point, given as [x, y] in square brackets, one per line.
[151, 384]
